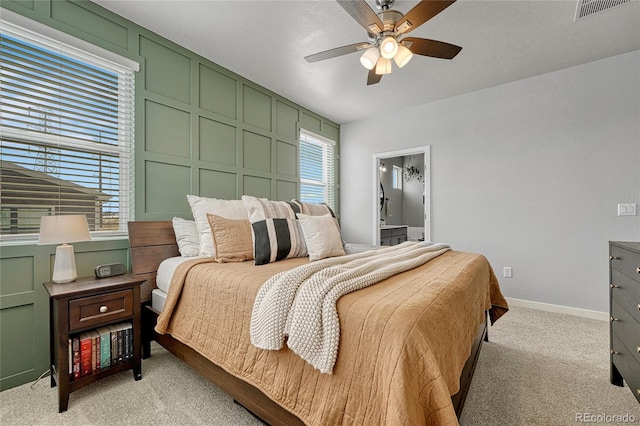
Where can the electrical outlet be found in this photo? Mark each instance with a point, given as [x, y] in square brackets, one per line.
[506, 272]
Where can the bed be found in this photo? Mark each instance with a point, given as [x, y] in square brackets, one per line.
[412, 381]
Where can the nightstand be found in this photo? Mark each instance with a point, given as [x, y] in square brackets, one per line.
[77, 309]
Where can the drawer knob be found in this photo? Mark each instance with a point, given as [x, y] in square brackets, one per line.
[103, 309]
[638, 349]
[613, 258]
[612, 285]
[613, 319]
[639, 306]
[613, 352]
[638, 269]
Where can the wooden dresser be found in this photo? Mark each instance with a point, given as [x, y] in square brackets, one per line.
[624, 309]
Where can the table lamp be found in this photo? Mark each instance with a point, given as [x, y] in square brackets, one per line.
[64, 229]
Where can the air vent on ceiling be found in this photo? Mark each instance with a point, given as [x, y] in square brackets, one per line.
[589, 7]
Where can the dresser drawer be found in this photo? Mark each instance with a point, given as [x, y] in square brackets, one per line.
[626, 262]
[626, 292]
[628, 366]
[627, 329]
[93, 311]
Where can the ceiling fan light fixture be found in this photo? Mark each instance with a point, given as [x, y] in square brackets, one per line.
[388, 47]
[403, 56]
[370, 57]
[383, 66]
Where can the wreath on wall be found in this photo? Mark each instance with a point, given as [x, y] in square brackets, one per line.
[411, 173]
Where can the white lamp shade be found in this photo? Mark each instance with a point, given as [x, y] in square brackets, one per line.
[403, 56]
[383, 66]
[370, 57]
[388, 47]
[63, 229]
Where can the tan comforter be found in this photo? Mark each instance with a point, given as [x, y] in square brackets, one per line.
[403, 340]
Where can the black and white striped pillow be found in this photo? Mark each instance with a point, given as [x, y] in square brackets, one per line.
[277, 234]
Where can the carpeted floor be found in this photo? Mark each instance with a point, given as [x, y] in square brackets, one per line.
[538, 368]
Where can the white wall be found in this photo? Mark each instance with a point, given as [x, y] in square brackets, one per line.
[528, 174]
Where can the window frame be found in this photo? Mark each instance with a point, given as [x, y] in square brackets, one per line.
[34, 33]
[329, 155]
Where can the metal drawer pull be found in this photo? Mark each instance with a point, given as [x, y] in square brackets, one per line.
[638, 349]
[613, 258]
[613, 352]
[639, 306]
[638, 390]
[614, 319]
[638, 269]
[103, 309]
[612, 285]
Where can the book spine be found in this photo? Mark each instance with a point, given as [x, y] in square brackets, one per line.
[85, 354]
[76, 358]
[93, 352]
[120, 344]
[98, 354]
[114, 345]
[70, 355]
[105, 347]
[129, 344]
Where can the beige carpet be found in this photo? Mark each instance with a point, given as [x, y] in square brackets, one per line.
[539, 368]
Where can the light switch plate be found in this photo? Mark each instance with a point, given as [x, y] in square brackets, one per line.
[627, 209]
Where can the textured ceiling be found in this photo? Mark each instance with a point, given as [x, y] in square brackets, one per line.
[502, 41]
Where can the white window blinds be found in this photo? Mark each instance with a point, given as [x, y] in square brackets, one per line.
[67, 123]
[317, 173]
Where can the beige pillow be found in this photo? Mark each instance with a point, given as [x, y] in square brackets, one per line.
[200, 206]
[321, 236]
[232, 238]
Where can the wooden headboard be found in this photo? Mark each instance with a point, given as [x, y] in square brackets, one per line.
[150, 242]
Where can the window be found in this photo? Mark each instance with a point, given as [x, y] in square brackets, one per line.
[317, 175]
[66, 135]
[397, 177]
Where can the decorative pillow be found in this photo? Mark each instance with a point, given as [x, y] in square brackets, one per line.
[313, 209]
[232, 238]
[200, 206]
[276, 232]
[321, 236]
[186, 236]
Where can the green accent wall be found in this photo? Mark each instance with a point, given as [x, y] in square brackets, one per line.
[200, 129]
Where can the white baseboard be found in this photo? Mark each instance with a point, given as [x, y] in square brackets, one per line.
[578, 312]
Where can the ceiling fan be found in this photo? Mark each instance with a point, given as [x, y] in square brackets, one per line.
[386, 31]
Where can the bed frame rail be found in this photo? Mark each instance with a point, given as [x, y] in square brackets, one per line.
[153, 241]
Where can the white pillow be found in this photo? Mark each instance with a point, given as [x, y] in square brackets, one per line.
[200, 206]
[321, 236]
[187, 236]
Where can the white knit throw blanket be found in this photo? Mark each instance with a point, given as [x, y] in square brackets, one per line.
[301, 303]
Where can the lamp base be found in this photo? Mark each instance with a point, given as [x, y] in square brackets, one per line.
[64, 268]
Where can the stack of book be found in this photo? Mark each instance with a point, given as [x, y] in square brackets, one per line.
[96, 350]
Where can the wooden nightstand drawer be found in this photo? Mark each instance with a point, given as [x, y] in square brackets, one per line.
[96, 310]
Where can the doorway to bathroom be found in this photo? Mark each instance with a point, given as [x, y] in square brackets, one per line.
[402, 198]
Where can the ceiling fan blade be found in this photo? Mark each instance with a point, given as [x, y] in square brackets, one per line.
[363, 14]
[373, 78]
[338, 51]
[420, 14]
[433, 48]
